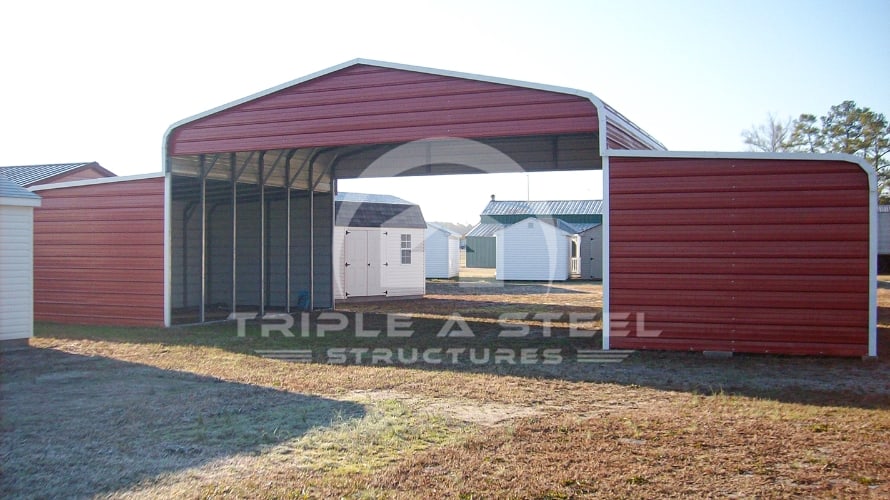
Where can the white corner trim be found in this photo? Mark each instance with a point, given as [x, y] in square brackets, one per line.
[607, 224]
[168, 251]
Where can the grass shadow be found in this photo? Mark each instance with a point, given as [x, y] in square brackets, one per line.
[74, 425]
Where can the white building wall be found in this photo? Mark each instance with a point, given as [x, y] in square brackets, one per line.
[395, 279]
[442, 250]
[590, 253]
[532, 250]
[339, 263]
[16, 272]
[403, 279]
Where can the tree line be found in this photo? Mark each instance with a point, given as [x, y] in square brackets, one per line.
[845, 128]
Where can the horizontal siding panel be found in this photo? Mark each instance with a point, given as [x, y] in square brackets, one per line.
[81, 262]
[102, 238]
[764, 199]
[97, 253]
[745, 266]
[112, 296]
[73, 277]
[736, 332]
[110, 214]
[112, 317]
[732, 232]
[740, 255]
[366, 105]
[743, 216]
[740, 282]
[743, 298]
[155, 201]
[710, 249]
[153, 226]
[738, 183]
[795, 348]
[742, 316]
[646, 168]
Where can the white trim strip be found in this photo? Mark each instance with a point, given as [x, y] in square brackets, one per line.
[607, 224]
[13, 201]
[93, 182]
[168, 250]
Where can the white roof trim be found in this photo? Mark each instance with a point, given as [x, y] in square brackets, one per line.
[602, 109]
[12, 201]
[101, 180]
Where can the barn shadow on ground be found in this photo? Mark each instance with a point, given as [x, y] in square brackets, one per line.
[111, 425]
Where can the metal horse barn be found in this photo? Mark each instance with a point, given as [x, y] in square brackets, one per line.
[743, 252]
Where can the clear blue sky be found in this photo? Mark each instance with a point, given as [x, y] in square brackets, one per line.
[102, 81]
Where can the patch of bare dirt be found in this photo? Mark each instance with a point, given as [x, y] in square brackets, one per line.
[489, 414]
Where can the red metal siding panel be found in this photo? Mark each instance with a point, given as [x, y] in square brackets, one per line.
[371, 105]
[739, 255]
[99, 254]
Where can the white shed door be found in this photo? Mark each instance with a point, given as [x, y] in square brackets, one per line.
[363, 263]
[356, 247]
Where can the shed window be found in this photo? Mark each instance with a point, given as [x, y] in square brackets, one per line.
[406, 249]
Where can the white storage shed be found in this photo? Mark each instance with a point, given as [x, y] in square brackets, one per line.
[16, 261]
[534, 250]
[378, 247]
[442, 250]
[589, 250]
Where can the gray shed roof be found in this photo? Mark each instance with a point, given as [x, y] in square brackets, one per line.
[433, 225]
[484, 230]
[576, 227]
[371, 198]
[9, 189]
[25, 175]
[366, 210]
[555, 207]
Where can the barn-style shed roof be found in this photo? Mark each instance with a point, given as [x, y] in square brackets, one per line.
[29, 175]
[369, 210]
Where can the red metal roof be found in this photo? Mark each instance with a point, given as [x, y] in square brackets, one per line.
[366, 102]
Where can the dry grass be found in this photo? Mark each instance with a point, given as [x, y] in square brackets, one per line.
[195, 413]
